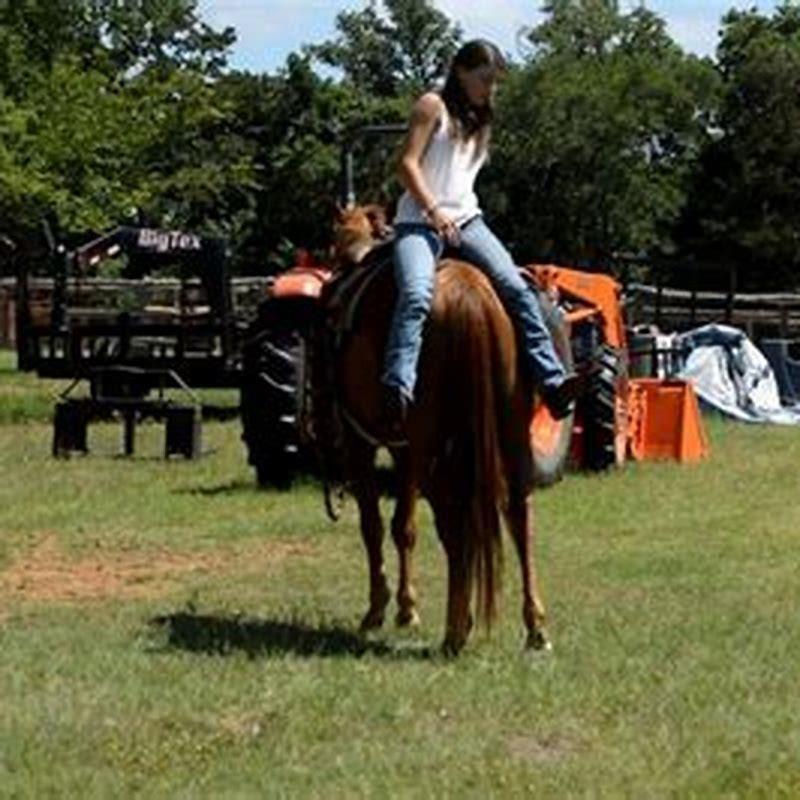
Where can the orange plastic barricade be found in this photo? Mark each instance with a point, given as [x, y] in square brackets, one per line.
[665, 421]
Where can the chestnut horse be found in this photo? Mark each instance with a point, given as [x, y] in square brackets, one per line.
[467, 450]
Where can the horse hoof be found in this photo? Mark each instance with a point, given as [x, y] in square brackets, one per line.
[408, 618]
[450, 648]
[371, 622]
[538, 642]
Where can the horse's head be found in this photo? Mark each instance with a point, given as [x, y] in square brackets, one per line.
[356, 231]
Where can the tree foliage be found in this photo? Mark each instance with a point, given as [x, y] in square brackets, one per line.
[404, 50]
[110, 109]
[746, 203]
[116, 37]
[599, 132]
[608, 136]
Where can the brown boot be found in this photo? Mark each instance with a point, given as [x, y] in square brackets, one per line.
[560, 400]
[394, 413]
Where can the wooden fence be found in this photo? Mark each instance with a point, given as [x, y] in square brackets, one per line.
[161, 298]
[759, 315]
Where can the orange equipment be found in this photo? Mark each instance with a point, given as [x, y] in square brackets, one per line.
[599, 295]
[665, 421]
[616, 418]
[645, 418]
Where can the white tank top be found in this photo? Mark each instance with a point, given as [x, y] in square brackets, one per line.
[450, 166]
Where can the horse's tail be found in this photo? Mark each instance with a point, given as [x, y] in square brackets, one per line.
[481, 363]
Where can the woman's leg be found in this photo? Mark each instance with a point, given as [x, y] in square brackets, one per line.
[481, 247]
[416, 251]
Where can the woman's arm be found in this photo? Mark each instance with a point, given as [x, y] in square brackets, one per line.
[424, 118]
[425, 115]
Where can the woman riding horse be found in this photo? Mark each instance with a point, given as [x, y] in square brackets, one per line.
[464, 441]
[446, 146]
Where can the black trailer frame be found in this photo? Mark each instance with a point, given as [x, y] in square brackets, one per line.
[124, 355]
[202, 350]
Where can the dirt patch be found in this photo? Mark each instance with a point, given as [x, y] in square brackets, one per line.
[242, 726]
[47, 574]
[541, 749]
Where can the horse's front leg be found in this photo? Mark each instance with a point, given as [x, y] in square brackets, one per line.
[519, 521]
[367, 496]
[404, 533]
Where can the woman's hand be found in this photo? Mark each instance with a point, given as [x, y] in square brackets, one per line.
[444, 226]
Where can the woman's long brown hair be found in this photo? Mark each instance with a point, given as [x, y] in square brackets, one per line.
[470, 120]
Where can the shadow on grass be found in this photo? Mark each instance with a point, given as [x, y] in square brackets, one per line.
[387, 485]
[223, 489]
[223, 635]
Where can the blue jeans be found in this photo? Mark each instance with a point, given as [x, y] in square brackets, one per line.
[417, 249]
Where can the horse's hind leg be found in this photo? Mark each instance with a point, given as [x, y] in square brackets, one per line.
[404, 534]
[519, 524]
[459, 618]
[362, 459]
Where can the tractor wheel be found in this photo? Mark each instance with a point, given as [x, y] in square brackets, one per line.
[271, 394]
[606, 411]
[550, 438]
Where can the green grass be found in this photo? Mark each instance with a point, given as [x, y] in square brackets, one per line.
[23, 396]
[672, 594]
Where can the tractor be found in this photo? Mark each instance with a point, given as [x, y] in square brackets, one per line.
[583, 311]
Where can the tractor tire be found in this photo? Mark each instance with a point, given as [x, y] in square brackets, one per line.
[271, 396]
[605, 411]
[551, 438]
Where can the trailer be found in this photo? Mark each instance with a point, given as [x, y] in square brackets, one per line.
[142, 344]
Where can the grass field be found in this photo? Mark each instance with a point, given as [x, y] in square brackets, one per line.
[168, 631]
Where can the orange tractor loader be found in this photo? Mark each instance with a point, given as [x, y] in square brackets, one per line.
[646, 418]
[617, 416]
[584, 312]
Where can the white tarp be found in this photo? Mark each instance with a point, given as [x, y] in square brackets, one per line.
[731, 374]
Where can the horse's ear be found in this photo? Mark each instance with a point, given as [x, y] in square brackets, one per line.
[342, 211]
[376, 214]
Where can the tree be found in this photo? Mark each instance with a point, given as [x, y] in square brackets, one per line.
[22, 189]
[119, 111]
[298, 122]
[598, 134]
[33, 34]
[168, 34]
[117, 37]
[746, 206]
[401, 52]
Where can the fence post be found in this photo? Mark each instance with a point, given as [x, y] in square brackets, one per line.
[731, 297]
